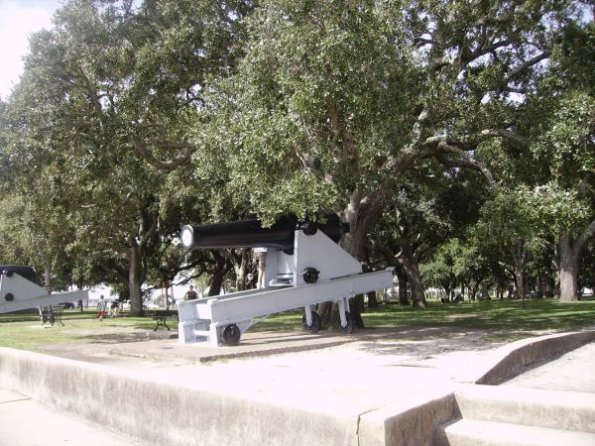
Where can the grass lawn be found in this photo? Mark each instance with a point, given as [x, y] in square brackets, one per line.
[528, 315]
[24, 331]
[500, 319]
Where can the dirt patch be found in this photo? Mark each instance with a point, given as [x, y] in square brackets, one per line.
[121, 345]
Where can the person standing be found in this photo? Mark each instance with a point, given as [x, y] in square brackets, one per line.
[190, 294]
[101, 306]
[260, 256]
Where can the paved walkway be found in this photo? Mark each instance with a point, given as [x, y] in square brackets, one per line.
[30, 423]
[573, 371]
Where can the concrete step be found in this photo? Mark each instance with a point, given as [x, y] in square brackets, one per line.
[570, 411]
[468, 432]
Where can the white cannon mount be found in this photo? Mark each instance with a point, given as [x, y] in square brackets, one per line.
[318, 270]
[18, 293]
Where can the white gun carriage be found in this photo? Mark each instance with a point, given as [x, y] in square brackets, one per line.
[305, 266]
[18, 291]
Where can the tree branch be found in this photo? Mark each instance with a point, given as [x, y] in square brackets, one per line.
[585, 235]
[526, 65]
[482, 51]
[506, 134]
[140, 147]
[190, 98]
[515, 90]
[420, 42]
[409, 152]
[468, 160]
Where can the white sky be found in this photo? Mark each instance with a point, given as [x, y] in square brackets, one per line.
[18, 19]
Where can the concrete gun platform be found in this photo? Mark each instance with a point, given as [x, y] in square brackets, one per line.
[374, 387]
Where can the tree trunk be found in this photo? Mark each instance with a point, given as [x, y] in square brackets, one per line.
[363, 212]
[417, 289]
[403, 297]
[567, 270]
[218, 275]
[356, 308]
[47, 277]
[519, 278]
[500, 292]
[485, 292]
[402, 284]
[473, 291]
[520, 262]
[568, 265]
[372, 300]
[412, 271]
[548, 286]
[134, 279]
[447, 290]
[241, 269]
[166, 293]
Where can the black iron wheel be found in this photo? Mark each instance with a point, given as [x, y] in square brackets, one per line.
[315, 326]
[231, 334]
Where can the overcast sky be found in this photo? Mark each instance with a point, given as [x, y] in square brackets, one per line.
[18, 19]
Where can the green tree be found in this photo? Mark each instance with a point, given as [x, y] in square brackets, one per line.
[456, 263]
[564, 148]
[110, 95]
[571, 220]
[335, 101]
[430, 207]
[509, 230]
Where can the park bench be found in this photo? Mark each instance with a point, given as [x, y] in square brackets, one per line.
[51, 314]
[161, 317]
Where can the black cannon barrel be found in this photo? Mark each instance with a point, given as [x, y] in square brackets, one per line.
[240, 234]
[251, 234]
[24, 271]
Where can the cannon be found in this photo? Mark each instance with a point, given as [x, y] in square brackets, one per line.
[19, 291]
[304, 266]
[251, 234]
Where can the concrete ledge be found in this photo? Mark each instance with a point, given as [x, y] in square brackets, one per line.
[511, 359]
[490, 433]
[164, 414]
[409, 422]
[572, 411]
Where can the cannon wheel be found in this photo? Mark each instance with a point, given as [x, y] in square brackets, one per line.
[231, 334]
[315, 326]
[348, 329]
